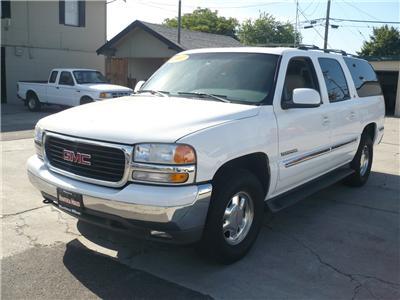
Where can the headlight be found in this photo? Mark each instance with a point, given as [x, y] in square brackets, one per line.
[164, 163]
[173, 154]
[38, 139]
[105, 95]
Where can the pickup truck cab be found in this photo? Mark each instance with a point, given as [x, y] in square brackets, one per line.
[69, 87]
[209, 141]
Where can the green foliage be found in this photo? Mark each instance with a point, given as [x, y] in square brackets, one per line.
[267, 30]
[384, 41]
[205, 20]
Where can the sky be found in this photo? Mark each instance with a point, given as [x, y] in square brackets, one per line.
[349, 36]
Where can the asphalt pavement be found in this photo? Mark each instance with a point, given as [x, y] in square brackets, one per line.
[341, 243]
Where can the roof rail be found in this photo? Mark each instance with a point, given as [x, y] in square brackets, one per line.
[313, 47]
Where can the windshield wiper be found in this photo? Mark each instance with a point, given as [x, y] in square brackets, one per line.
[154, 92]
[221, 98]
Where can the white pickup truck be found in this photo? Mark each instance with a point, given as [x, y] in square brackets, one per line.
[209, 141]
[69, 87]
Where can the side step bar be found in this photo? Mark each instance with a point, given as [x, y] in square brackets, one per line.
[293, 196]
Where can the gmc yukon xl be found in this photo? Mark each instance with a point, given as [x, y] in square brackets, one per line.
[209, 141]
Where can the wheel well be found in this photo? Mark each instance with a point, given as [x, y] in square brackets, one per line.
[31, 93]
[370, 129]
[85, 97]
[257, 163]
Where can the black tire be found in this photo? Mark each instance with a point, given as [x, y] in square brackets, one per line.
[214, 241]
[359, 165]
[86, 100]
[33, 102]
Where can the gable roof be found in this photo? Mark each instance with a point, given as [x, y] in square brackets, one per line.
[189, 39]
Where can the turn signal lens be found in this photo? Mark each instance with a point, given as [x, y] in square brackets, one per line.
[184, 154]
[178, 177]
[160, 177]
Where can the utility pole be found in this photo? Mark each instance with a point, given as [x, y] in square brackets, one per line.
[179, 22]
[297, 24]
[328, 10]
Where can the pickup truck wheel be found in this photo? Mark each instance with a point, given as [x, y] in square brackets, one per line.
[86, 100]
[234, 217]
[33, 103]
[361, 163]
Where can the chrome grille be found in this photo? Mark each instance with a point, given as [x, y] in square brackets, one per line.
[107, 164]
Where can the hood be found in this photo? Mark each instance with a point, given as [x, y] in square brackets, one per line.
[104, 87]
[131, 120]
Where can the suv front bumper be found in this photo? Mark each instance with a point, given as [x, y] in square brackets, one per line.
[176, 214]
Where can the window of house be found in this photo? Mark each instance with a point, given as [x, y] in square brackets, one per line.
[300, 74]
[72, 12]
[335, 80]
[53, 77]
[66, 78]
[5, 9]
[364, 77]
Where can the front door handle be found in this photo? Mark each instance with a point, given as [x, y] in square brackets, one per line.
[352, 115]
[57, 87]
[325, 120]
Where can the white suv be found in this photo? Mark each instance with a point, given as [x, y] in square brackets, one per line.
[209, 139]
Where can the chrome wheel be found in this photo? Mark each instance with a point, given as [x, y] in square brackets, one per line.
[32, 103]
[364, 160]
[238, 217]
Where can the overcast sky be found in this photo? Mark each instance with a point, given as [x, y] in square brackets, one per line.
[349, 36]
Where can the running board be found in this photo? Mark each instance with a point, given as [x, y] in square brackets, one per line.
[293, 196]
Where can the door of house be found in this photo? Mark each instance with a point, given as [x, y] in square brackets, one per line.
[117, 71]
[3, 76]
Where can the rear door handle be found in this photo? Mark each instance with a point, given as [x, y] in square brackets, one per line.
[57, 87]
[352, 115]
[325, 120]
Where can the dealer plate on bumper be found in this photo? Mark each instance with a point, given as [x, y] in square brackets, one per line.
[70, 201]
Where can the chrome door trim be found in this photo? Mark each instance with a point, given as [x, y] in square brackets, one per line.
[316, 153]
[127, 150]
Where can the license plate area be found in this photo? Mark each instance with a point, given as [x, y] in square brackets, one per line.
[70, 201]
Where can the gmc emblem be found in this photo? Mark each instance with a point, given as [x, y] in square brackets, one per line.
[77, 158]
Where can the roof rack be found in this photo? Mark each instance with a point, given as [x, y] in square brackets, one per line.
[313, 47]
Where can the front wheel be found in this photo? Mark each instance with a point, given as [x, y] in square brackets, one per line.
[235, 216]
[86, 100]
[361, 163]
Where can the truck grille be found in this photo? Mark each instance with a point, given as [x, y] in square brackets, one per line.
[85, 159]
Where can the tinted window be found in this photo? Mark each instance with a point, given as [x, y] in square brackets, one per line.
[334, 79]
[53, 77]
[66, 78]
[82, 77]
[364, 77]
[300, 74]
[5, 9]
[237, 77]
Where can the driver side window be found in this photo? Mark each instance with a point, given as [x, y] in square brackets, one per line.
[300, 73]
[66, 78]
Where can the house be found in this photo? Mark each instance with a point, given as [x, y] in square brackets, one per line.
[37, 36]
[141, 48]
[387, 69]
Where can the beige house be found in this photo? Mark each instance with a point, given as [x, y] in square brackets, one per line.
[37, 36]
[387, 69]
[141, 48]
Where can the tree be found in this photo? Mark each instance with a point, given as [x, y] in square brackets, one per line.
[205, 20]
[384, 41]
[267, 30]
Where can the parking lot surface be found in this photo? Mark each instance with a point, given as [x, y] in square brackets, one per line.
[341, 243]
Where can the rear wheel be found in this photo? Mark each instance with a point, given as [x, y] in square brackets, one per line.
[33, 102]
[362, 162]
[235, 216]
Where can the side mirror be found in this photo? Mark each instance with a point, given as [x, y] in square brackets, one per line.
[138, 85]
[303, 98]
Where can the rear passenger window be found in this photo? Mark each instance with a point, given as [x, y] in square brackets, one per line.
[53, 77]
[300, 74]
[364, 77]
[335, 80]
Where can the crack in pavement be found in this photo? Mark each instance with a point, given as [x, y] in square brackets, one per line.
[367, 207]
[19, 229]
[351, 277]
[3, 216]
[63, 221]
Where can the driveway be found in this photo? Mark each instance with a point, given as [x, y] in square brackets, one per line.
[341, 243]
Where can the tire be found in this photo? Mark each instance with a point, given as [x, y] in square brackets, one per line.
[33, 102]
[228, 245]
[361, 163]
[86, 100]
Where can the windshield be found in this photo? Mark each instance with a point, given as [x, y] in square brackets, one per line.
[83, 77]
[237, 77]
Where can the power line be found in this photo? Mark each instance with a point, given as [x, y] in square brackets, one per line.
[320, 35]
[365, 21]
[360, 10]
